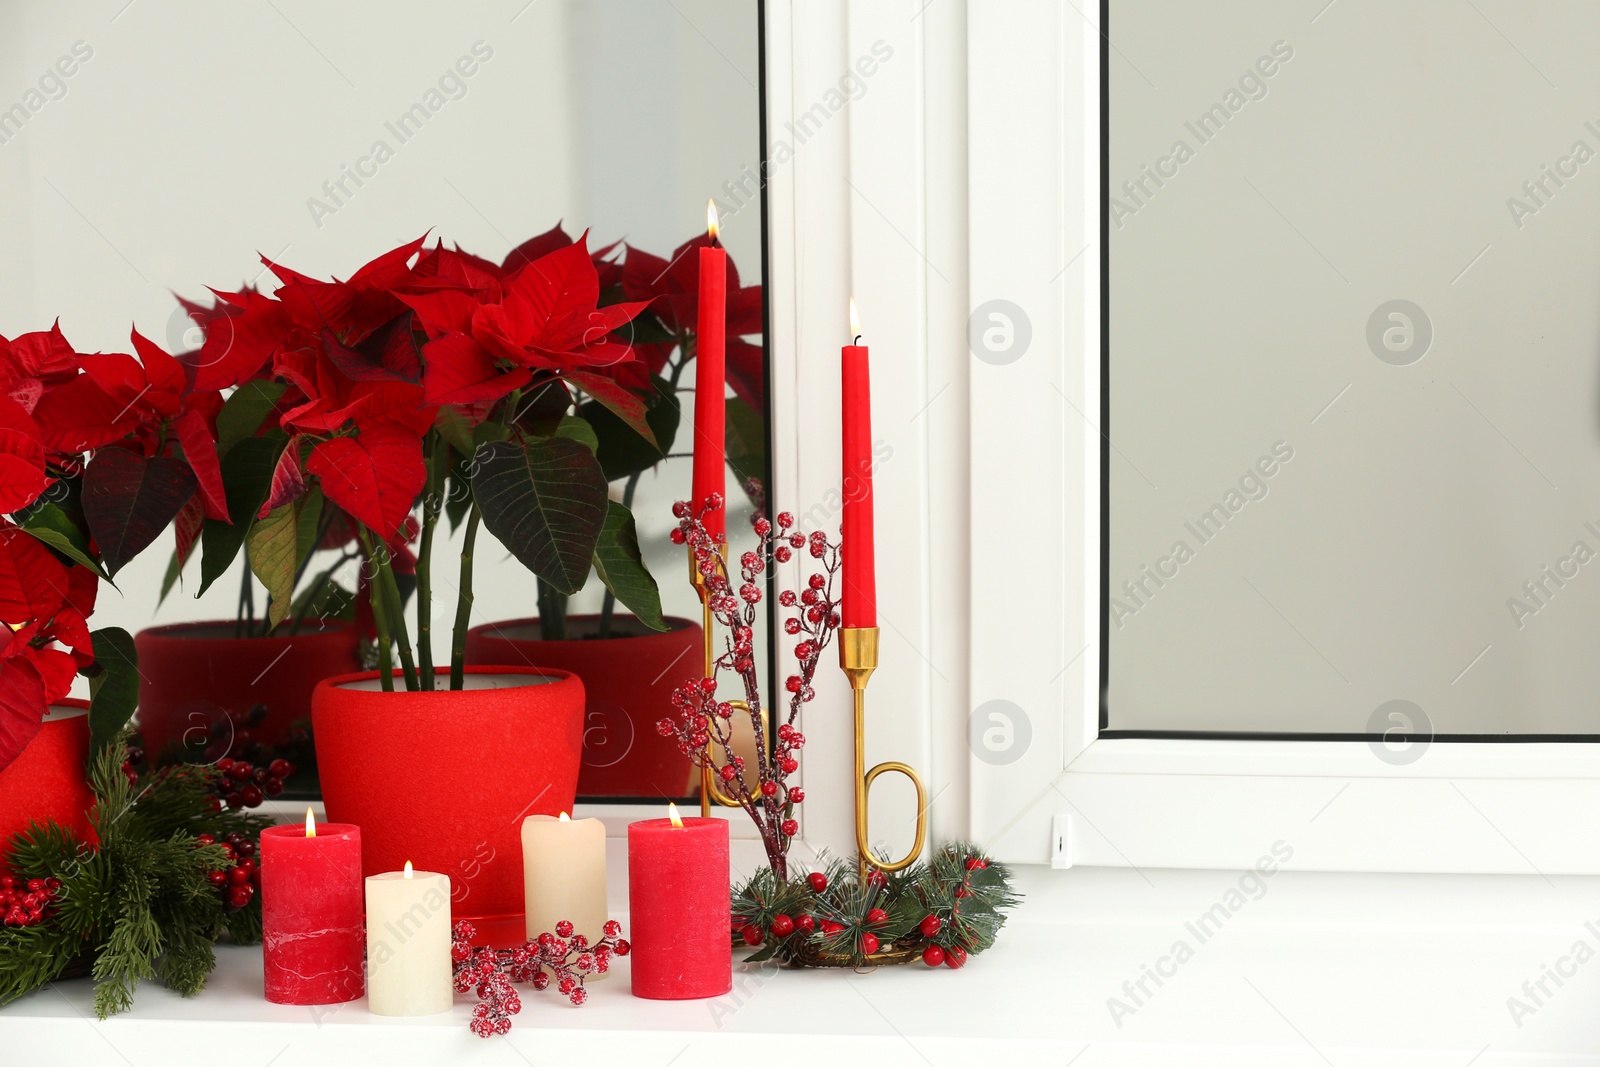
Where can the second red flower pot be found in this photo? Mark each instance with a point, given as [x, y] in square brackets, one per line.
[628, 679]
[195, 677]
[444, 779]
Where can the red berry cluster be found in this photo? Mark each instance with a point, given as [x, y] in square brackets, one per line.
[230, 733]
[701, 725]
[239, 881]
[563, 957]
[245, 785]
[27, 903]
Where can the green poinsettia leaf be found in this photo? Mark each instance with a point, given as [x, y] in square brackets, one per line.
[114, 690]
[247, 474]
[545, 499]
[620, 564]
[244, 412]
[50, 524]
[579, 430]
[272, 543]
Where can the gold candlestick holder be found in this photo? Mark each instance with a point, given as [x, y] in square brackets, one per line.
[858, 658]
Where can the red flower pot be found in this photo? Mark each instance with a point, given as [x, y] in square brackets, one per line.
[629, 680]
[444, 779]
[195, 674]
[49, 780]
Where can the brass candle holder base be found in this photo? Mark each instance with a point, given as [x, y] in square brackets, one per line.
[858, 658]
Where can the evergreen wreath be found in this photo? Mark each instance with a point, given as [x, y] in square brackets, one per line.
[942, 911]
[149, 901]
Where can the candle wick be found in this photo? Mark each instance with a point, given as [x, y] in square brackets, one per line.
[857, 341]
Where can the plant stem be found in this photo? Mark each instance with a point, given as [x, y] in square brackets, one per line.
[552, 612]
[431, 508]
[608, 606]
[247, 597]
[458, 636]
[380, 620]
[391, 595]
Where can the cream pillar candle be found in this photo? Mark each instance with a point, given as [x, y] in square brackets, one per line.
[408, 943]
[564, 874]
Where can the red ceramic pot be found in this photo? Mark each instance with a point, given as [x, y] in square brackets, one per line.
[49, 780]
[195, 674]
[629, 680]
[444, 779]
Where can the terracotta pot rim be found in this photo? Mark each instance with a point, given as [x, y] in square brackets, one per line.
[491, 630]
[183, 631]
[546, 676]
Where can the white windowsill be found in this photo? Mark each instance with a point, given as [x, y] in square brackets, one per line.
[1321, 968]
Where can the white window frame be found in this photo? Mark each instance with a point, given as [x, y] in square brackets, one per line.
[969, 171]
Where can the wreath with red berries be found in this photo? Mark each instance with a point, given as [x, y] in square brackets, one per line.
[940, 912]
[172, 872]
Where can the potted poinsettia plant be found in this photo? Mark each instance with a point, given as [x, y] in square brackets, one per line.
[240, 688]
[625, 660]
[98, 452]
[429, 382]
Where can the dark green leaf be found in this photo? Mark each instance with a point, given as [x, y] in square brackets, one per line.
[458, 490]
[455, 430]
[306, 523]
[247, 474]
[128, 500]
[541, 407]
[114, 690]
[624, 452]
[545, 500]
[621, 566]
[50, 524]
[241, 416]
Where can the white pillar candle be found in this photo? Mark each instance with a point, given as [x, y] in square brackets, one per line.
[564, 874]
[408, 943]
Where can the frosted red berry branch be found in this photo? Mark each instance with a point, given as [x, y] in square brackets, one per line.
[563, 957]
[702, 725]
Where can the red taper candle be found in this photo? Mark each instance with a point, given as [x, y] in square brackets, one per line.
[678, 911]
[312, 913]
[710, 378]
[859, 597]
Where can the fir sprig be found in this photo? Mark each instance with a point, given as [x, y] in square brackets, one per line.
[137, 905]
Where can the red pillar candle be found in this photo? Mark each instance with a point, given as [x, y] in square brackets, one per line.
[312, 913]
[859, 597]
[678, 912]
[710, 377]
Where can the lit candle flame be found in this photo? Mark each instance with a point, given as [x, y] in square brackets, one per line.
[672, 813]
[311, 824]
[564, 818]
[408, 868]
[855, 320]
[713, 227]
